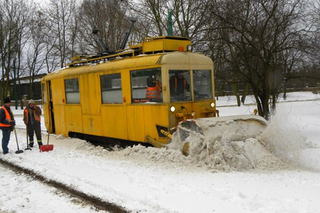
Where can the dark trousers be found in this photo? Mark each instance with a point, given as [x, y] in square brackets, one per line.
[34, 128]
[5, 140]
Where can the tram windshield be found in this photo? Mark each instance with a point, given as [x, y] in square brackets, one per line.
[202, 84]
[180, 89]
[179, 85]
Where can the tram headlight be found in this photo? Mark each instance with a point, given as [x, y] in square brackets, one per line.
[172, 109]
[212, 104]
[193, 113]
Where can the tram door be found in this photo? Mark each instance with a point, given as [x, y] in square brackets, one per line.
[50, 107]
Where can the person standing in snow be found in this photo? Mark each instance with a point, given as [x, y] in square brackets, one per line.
[31, 118]
[7, 124]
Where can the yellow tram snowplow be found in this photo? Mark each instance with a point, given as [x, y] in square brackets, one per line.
[192, 136]
[114, 96]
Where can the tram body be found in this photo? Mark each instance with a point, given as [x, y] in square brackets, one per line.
[105, 97]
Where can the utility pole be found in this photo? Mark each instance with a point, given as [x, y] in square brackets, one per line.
[170, 31]
[15, 84]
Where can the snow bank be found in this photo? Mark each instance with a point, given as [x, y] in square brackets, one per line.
[146, 179]
[231, 146]
[223, 146]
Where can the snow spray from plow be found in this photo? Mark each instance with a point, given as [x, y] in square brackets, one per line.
[194, 135]
[224, 143]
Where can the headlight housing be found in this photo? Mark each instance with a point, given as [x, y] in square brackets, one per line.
[212, 104]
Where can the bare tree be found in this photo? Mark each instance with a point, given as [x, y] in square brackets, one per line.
[255, 37]
[108, 17]
[59, 25]
[35, 51]
[154, 13]
[188, 17]
[190, 20]
[311, 67]
[14, 16]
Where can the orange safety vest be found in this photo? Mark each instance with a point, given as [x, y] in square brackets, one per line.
[8, 117]
[26, 116]
[154, 92]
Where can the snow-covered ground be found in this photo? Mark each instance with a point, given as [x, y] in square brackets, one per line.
[163, 180]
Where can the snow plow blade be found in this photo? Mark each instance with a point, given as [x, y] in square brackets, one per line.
[191, 135]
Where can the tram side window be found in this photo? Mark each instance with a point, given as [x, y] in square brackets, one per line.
[44, 96]
[72, 91]
[111, 90]
[146, 85]
[179, 85]
[202, 83]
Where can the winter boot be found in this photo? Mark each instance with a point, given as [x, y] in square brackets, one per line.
[39, 143]
[31, 144]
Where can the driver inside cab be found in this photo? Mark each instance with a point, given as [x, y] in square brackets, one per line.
[178, 85]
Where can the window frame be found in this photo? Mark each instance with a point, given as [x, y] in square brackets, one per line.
[195, 85]
[104, 90]
[188, 80]
[77, 91]
[134, 87]
[44, 94]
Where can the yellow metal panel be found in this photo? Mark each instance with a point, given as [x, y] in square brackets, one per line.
[136, 131]
[73, 118]
[143, 118]
[164, 45]
[114, 121]
[155, 114]
[92, 125]
[126, 86]
[59, 119]
[90, 93]
[58, 95]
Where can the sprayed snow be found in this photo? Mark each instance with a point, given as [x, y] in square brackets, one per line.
[228, 144]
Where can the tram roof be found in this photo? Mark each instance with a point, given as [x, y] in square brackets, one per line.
[137, 62]
[153, 52]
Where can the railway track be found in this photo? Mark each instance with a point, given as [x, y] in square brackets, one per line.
[85, 198]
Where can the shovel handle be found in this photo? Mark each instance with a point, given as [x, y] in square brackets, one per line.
[15, 134]
[48, 138]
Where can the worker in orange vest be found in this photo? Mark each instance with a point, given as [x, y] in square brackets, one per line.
[154, 88]
[32, 120]
[7, 124]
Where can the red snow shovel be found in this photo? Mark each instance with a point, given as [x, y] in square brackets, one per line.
[48, 147]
